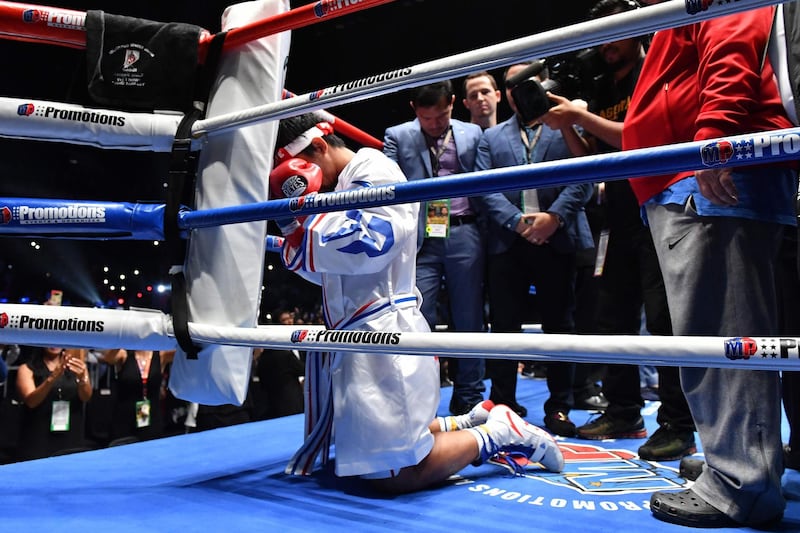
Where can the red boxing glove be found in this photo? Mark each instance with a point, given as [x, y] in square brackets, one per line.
[294, 177]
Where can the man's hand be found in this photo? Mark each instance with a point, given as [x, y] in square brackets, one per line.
[537, 228]
[564, 113]
[717, 186]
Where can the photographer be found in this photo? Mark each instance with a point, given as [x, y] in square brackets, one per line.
[532, 94]
[629, 277]
[533, 237]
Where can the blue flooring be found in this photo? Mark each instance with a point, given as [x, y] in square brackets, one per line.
[232, 479]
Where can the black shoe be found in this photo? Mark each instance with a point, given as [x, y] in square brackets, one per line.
[560, 424]
[668, 444]
[688, 509]
[607, 427]
[691, 468]
[598, 402]
[532, 371]
[791, 458]
[458, 408]
[650, 393]
[521, 410]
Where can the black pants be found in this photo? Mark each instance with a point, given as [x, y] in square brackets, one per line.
[510, 276]
[632, 279]
[788, 297]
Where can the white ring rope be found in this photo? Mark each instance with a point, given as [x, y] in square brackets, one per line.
[29, 119]
[138, 329]
[544, 44]
[38, 325]
[41, 120]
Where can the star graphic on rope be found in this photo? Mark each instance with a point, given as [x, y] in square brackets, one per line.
[744, 149]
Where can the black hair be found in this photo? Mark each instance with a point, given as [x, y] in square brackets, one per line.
[609, 7]
[291, 128]
[432, 94]
[604, 8]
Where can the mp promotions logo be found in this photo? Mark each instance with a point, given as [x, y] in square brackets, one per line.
[716, 153]
[34, 322]
[740, 348]
[71, 114]
[68, 20]
[330, 6]
[31, 16]
[350, 197]
[346, 336]
[26, 110]
[299, 335]
[766, 147]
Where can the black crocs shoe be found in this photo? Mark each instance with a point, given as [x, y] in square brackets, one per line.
[688, 509]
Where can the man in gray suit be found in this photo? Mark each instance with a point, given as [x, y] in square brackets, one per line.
[450, 245]
[533, 237]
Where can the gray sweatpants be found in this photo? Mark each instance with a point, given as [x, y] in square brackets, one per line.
[719, 273]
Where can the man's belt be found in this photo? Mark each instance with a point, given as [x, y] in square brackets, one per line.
[458, 220]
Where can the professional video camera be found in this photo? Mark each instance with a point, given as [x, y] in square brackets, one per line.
[575, 75]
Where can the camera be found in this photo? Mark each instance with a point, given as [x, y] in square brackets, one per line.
[572, 76]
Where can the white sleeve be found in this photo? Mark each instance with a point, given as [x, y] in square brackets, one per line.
[356, 241]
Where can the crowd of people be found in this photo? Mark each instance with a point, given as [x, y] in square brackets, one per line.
[666, 255]
[56, 401]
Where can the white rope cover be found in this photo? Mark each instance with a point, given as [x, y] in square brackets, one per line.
[40, 120]
[103, 328]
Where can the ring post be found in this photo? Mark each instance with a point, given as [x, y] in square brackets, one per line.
[224, 265]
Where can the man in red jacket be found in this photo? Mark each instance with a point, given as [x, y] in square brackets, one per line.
[717, 233]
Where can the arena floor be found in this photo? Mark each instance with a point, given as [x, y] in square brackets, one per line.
[232, 479]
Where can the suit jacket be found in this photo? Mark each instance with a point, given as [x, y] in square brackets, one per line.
[405, 144]
[501, 146]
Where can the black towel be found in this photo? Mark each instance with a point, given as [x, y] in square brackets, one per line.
[140, 65]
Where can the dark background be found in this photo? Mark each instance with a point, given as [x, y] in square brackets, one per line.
[399, 34]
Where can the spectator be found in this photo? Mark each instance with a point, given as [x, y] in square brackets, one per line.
[629, 275]
[450, 247]
[11, 409]
[280, 375]
[137, 392]
[481, 97]
[703, 81]
[54, 385]
[533, 237]
[368, 284]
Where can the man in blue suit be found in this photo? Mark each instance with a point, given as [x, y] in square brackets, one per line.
[533, 237]
[450, 245]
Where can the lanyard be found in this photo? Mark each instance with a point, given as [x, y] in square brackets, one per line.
[144, 367]
[530, 144]
[436, 154]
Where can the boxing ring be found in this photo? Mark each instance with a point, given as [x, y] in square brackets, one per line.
[205, 484]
